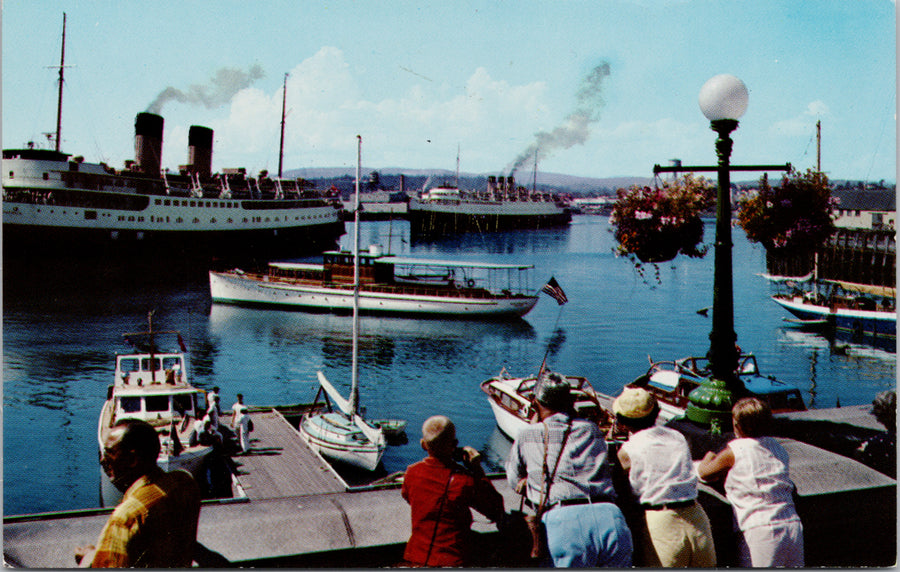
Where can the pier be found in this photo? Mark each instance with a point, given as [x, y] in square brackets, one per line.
[296, 511]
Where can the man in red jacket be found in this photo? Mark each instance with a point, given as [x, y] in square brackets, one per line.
[441, 493]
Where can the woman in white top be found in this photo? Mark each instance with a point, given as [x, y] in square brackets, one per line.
[759, 488]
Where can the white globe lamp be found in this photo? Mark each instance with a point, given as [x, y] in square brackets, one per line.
[723, 97]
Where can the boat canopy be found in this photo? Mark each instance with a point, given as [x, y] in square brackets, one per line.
[400, 261]
[870, 289]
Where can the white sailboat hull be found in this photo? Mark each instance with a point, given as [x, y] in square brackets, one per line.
[336, 437]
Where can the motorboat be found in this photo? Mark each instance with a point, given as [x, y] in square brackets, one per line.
[672, 381]
[511, 400]
[153, 386]
[389, 285]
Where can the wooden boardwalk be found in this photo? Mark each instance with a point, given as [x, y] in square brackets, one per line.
[281, 464]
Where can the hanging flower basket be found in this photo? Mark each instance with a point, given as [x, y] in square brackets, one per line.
[655, 225]
[792, 219]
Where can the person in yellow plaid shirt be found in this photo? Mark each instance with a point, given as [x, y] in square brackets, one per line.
[155, 525]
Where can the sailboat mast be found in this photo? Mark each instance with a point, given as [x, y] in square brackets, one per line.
[283, 109]
[62, 65]
[354, 375]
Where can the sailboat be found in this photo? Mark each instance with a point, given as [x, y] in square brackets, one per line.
[343, 435]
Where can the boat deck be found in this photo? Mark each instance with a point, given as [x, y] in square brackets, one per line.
[281, 464]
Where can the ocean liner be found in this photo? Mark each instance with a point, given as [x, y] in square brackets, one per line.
[503, 206]
[54, 202]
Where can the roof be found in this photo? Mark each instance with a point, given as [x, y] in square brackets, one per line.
[866, 200]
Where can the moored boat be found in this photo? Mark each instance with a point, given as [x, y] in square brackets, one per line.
[388, 285]
[344, 435]
[862, 310]
[672, 381]
[153, 386]
[503, 206]
[511, 401]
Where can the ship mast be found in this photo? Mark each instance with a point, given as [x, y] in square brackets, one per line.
[819, 145]
[457, 166]
[283, 109]
[62, 65]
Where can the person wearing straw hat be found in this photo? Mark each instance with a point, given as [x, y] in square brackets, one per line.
[658, 462]
[562, 467]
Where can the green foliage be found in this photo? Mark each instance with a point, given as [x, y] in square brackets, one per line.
[656, 224]
[794, 217]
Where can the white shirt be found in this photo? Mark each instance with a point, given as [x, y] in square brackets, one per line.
[758, 485]
[240, 415]
[661, 469]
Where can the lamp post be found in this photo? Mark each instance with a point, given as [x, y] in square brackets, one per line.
[723, 100]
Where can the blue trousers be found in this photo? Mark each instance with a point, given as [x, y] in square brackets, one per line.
[588, 535]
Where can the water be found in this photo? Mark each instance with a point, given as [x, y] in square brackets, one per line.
[62, 324]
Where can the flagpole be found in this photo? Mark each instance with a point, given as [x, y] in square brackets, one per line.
[547, 353]
[555, 291]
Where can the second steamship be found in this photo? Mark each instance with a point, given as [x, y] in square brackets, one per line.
[54, 202]
[503, 206]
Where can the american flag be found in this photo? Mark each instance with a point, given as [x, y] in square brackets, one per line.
[554, 290]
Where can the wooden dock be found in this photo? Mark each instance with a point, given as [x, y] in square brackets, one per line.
[281, 464]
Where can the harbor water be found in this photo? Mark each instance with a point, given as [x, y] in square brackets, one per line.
[63, 323]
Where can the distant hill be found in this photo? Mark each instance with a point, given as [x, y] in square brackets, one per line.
[414, 179]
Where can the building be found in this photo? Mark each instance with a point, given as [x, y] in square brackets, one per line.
[870, 209]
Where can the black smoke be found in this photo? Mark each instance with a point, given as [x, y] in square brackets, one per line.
[218, 91]
[576, 127]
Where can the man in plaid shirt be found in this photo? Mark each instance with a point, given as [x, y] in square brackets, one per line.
[155, 525]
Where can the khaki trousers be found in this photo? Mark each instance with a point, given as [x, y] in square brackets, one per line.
[679, 537]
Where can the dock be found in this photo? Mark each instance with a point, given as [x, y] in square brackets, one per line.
[304, 516]
[280, 463]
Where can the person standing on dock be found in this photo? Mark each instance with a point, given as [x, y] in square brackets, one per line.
[658, 462]
[240, 421]
[759, 488]
[441, 493]
[155, 524]
[561, 464]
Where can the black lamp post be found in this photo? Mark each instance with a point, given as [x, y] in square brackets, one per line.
[723, 99]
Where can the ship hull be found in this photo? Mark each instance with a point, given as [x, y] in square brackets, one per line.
[436, 220]
[244, 290]
[26, 241]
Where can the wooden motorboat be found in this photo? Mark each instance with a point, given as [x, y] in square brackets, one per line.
[511, 400]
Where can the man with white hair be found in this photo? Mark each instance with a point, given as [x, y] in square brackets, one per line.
[441, 491]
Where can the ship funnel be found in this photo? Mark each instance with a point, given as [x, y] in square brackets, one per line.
[148, 138]
[200, 140]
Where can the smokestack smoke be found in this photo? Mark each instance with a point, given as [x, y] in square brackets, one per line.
[576, 127]
[221, 88]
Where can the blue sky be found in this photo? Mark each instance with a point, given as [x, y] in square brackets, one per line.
[420, 79]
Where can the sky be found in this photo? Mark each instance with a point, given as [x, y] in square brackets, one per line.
[594, 88]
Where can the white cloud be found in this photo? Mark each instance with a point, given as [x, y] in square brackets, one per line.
[802, 124]
[327, 108]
